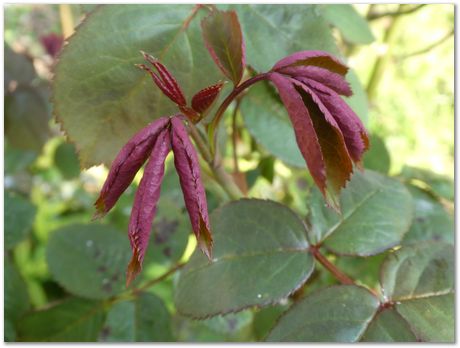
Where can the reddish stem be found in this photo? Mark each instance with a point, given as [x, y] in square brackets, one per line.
[212, 130]
[341, 277]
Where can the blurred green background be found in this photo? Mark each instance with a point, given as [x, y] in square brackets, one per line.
[405, 63]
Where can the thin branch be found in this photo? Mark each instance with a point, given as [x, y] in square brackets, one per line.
[67, 22]
[338, 274]
[372, 15]
[235, 136]
[155, 281]
[429, 47]
[382, 61]
[212, 130]
[222, 177]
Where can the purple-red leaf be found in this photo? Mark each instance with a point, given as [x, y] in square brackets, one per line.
[353, 130]
[312, 58]
[145, 203]
[224, 40]
[309, 83]
[52, 43]
[336, 157]
[127, 163]
[305, 133]
[166, 81]
[188, 168]
[202, 100]
[334, 81]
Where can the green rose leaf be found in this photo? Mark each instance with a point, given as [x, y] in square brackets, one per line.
[89, 260]
[66, 160]
[377, 157]
[389, 326]
[422, 270]
[260, 256]
[26, 119]
[232, 327]
[376, 212]
[73, 320]
[19, 218]
[145, 319]
[439, 185]
[431, 220]
[267, 121]
[16, 300]
[419, 280]
[335, 314]
[431, 319]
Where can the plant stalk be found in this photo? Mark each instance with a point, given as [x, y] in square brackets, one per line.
[338, 274]
[212, 130]
[215, 164]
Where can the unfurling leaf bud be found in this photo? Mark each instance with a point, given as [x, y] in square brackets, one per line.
[329, 134]
[188, 168]
[165, 81]
[127, 163]
[145, 203]
[203, 99]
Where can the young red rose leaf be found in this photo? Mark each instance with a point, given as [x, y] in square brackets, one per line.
[312, 58]
[356, 137]
[304, 130]
[224, 40]
[203, 99]
[52, 43]
[145, 204]
[188, 168]
[334, 81]
[127, 163]
[333, 148]
[166, 81]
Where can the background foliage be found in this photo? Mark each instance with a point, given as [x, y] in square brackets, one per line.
[64, 275]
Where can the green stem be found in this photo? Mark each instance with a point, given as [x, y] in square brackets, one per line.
[215, 164]
[155, 281]
[236, 167]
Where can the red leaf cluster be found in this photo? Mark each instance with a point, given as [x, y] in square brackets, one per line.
[155, 142]
[167, 83]
[329, 134]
